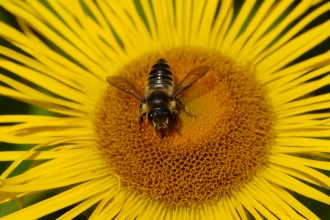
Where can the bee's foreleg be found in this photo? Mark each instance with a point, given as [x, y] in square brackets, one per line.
[176, 121]
[159, 132]
[175, 118]
[167, 129]
[140, 122]
[141, 115]
[183, 106]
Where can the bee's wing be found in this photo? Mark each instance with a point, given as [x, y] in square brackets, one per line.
[124, 85]
[194, 75]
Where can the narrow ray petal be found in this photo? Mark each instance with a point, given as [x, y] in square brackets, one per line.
[305, 173]
[303, 142]
[303, 102]
[264, 190]
[293, 184]
[43, 169]
[205, 27]
[40, 155]
[41, 96]
[133, 205]
[272, 16]
[44, 81]
[300, 68]
[232, 207]
[293, 31]
[268, 38]
[114, 207]
[235, 28]
[246, 203]
[307, 133]
[112, 191]
[266, 201]
[301, 90]
[77, 210]
[39, 67]
[292, 51]
[69, 197]
[289, 199]
[285, 84]
[296, 204]
[54, 184]
[253, 26]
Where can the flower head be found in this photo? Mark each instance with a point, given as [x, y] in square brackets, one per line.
[260, 126]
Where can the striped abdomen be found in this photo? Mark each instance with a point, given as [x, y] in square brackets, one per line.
[160, 77]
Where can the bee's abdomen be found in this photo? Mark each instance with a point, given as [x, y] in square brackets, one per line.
[160, 76]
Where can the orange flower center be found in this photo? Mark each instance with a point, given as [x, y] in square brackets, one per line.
[220, 149]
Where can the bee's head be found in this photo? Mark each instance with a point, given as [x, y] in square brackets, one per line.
[159, 118]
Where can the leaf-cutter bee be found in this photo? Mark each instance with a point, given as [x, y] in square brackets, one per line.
[160, 99]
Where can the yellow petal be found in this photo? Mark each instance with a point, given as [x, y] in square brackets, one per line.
[266, 23]
[261, 207]
[112, 191]
[307, 124]
[248, 205]
[205, 27]
[206, 212]
[77, 210]
[306, 142]
[297, 47]
[232, 207]
[305, 173]
[114, 207]
[300, 91]
[262, 198]
[307, 162]
[285, 200]
[36, 155]
[236, 27]
[285, 84]
[300, 68]
[133, 205]
[224, 211]
[252, 27]
[51, 184]
[23, 118]
[271, 35]
[305, 20]
[219, 23]
[278, 149]
[45, 168]
[293, 184]
[65, 199]
[288, 198]
[37, 95]
[307, 133]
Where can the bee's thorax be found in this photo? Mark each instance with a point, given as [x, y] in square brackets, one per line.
[158, 99]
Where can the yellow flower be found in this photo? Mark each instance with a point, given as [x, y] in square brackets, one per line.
[260, 132]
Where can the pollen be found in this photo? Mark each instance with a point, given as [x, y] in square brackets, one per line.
[215, 153]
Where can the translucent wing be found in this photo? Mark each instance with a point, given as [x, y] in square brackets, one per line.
[194, 75]
[124, 85]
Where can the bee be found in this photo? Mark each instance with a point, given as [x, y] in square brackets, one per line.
[160, 100]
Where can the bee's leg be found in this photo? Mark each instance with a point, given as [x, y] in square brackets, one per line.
[167, 130]
[141, 115]
[160, 133]
[176, 118]
[176, 121]
[141, 121]
[183, 106]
